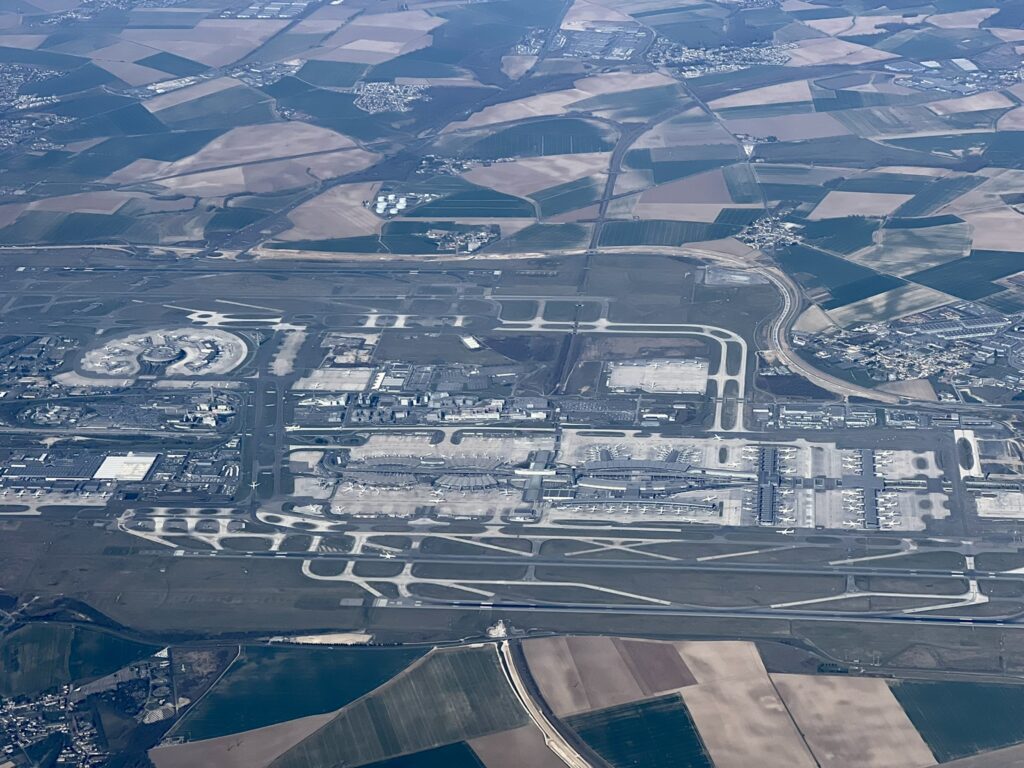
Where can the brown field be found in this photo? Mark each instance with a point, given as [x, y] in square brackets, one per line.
[735, 707]
[123, 51]
[581, 674]
[852, 721]
[813, 320]
[979, 102]
[276, 156]
[215, 42]
[916, 389]
[860, 25]
[338, 212]
[689, 128]
[266, 177]
[10, 213]
[997, 230]
[30, 42]
[707, 187]
[961, 19]
[557, 102]
[515, 67]
[376, 38]
[583, 12]
[712, 662]
[783, 93]
[829, 50]
[706, 212]
[905, 300]
[133, 74]
[580, 214]
[743, 723]
[514, 749]
[838, 204]
[912, 170]
[789, 128]
[1008, 35]
[531, 174]
[250, 749]
[325, 20]
[102, 202]
[905, 251]
[192, 92]
[254, 144]
[1012, 120]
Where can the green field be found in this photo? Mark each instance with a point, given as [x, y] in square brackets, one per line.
[38, 657]
[557, 136]
[268, 685]
[959, 719]
[544, 237]
[971, 278]
[448, 697]
[658, 232]
[475, 203]
[651, 734]
[451, 756]
[844, 235]
[568, 196]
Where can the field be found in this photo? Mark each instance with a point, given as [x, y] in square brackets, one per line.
[402, 717]
[834, 713]
[897, 302]
[559, 102]
[37, 657]
[528, 175]
[960, 719]
[735, 695]
[272, 685]
[655, 734]
[511, 749]
[338, 212]
[582, 674]
[622, 233]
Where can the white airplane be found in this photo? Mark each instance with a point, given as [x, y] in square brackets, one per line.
[709, 499]
[851, 524]
[254, 484]
[387, 555]
[786, 532]
[716, 437]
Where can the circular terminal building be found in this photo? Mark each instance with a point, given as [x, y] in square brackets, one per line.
[178, 352]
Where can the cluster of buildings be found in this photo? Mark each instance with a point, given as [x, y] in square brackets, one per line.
[770, 232]
[61, 728]
[955, 77]
[388, 204]
[464, 240]
[962, 345]
[697, 62]
[53, 725]
[438, 407]
[27, 365]
[269, 9]
[609, 41]
[432, 165]
[379, 96]
[86, 473]
[532, 42]
[259, 74]
[814, 416]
